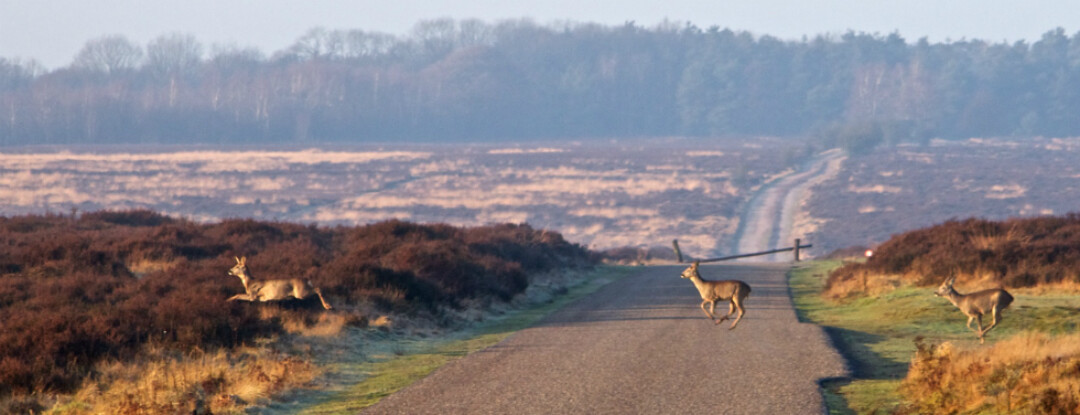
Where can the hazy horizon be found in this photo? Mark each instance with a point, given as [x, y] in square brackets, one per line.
[53, 32]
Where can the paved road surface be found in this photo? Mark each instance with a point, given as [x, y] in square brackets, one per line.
[641, 345]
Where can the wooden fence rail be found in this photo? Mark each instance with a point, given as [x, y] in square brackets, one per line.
[798, 246]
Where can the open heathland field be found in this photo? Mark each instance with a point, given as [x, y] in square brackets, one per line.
[95, 305]
[113, 277]
[895, 189]
[637, 194]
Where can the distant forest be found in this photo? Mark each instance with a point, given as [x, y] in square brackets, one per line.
[518, 80]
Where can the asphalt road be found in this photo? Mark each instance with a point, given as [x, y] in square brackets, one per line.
[641, 345]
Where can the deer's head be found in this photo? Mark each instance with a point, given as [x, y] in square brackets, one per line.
[240, 269]
[691, 272]
[945, 288]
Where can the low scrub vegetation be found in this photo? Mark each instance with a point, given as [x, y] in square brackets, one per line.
[76, 292]
[1030, 373]
[1016, 253]
[910, 352]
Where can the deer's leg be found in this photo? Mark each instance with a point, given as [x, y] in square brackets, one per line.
[978, 322]
[712, 308]
[730, 311]
[318, 292]
[997, 318]
[736, 302]
[970, 319]
[707, 313]
[244, 297]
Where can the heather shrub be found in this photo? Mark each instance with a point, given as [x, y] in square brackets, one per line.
[108, 284]
[30, 223]
[389, 290]
[135, 217]
[1028, 373]
[1013, 253]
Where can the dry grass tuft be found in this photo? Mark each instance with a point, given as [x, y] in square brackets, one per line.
[863, 283]
[303, 322]
[163, 382]
[991, 239]
[382, 322]
[1068, 286]
[1027, 373]
[325, 325]
[145, 266]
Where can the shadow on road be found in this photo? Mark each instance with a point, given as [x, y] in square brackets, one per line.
[863, 362]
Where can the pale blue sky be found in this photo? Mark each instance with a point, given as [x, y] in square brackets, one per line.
[53, 31]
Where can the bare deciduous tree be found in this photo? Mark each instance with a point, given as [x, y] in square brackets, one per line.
[173, 54]
[108, 54]
[360, 44]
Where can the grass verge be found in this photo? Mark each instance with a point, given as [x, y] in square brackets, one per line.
[392, 362]
[877, 334]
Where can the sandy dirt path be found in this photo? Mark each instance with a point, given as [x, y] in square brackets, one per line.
[642, 345]
[769, 219]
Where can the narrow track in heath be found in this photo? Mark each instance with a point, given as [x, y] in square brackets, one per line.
[767, 222]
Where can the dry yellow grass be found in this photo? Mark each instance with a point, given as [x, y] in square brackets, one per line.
[989, 241]
[864, 284]
[221, 382]
[141, 267]
[165, 383]
[1068, 287]
[308, 324]
[1027, 373]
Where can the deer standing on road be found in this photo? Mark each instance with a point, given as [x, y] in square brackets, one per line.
[713, 291]
[975, 304]
[272, 290]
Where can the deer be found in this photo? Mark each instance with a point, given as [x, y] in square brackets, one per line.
[272, 290]
[712, 291]
[975, 305]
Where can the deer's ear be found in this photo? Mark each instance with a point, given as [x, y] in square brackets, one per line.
[243, 260]
[696, 264]
[237, 259]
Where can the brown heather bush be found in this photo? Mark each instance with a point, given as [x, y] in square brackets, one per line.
[1016, 253]
[1031, 373]
[108, 285]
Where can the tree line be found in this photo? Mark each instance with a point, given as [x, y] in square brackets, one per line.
[518, 80]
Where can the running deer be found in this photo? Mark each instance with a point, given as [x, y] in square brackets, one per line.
[272, 290]
[975, 304]
[713, 291]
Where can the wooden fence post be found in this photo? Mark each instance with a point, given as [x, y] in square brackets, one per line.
[797, 249]
[678, 253]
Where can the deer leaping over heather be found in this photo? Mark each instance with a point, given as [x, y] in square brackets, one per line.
[272, 290]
